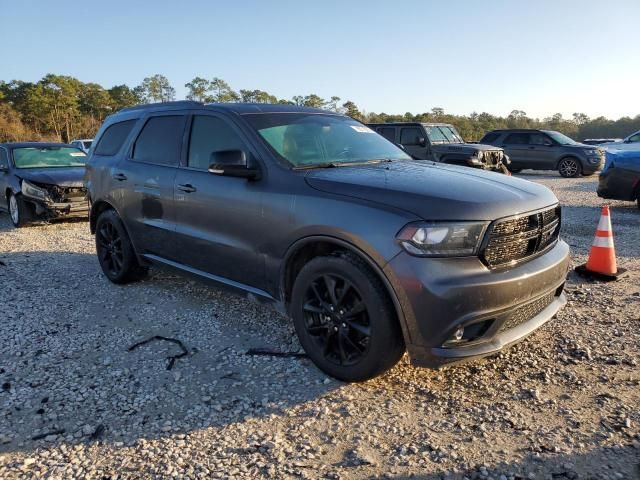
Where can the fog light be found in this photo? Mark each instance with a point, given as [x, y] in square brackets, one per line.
[458, 334]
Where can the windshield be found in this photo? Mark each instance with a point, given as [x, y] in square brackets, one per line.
[443, 134]
[560, 138]
[38, 157]
[304, 139]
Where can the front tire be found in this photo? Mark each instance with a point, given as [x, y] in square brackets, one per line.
[18, 210]
[115, 251]
[344, 318]
[569, 167]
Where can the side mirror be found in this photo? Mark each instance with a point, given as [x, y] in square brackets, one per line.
[548, 144]
[421, 141]
[4, 168]
[232, 163]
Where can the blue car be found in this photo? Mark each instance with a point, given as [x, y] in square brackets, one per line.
[620, 177]
[42, 181]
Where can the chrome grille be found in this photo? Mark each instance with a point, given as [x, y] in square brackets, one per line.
[527, 312]
[514, 239]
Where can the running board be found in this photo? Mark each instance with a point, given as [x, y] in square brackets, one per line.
[208, 276]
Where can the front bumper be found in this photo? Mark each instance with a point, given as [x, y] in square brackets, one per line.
[438, 296]
[588, 167]
[619, 184]
[45, 209]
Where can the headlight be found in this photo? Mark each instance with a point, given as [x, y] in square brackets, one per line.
[592, 153]
[443, 239]
[479, 155]
[30, 190]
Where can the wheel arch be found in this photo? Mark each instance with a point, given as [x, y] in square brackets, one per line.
[308, 248]
[96, 209]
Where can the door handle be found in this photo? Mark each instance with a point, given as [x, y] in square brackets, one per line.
[119, 176]
[187, 188]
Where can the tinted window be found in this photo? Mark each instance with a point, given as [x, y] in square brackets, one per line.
[490, 137]
[159, 141]
[635, 138]
[113, 138]
[409, 136]
[388, 132]
[4, 161]
[517, 139]
[208, 135]
[539, 139]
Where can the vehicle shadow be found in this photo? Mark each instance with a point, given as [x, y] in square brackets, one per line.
[621, 462]
[68, 371]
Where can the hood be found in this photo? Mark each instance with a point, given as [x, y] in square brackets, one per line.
[463, 147]
[61, 176]
[434, 191]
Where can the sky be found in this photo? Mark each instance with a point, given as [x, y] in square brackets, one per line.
[540, 56]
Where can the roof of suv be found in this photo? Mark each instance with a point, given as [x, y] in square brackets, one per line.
[239, 108]
[524, 130]
[430, 124]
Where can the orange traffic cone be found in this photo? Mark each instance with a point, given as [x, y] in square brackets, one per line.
[602, 257]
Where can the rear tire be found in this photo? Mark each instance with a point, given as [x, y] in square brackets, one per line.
[115, 251]
[569, 167]
[344, 318]
[19, 211]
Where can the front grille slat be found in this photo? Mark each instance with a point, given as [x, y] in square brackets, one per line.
[527, 312]
[515, 239]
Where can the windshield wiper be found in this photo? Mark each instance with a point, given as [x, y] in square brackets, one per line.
[341, 164]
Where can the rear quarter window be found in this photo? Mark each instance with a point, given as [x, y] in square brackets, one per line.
[113, 138]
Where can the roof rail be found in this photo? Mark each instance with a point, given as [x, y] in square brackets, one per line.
[177, 103]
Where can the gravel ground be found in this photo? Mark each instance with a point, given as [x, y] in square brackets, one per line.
[75, 403]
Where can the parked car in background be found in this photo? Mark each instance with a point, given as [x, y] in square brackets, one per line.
[441, 142]
[42, 180]
[84, 144]
[600, 141]
[632, 142]
[546, 150]
[369, 251]
[620, 177]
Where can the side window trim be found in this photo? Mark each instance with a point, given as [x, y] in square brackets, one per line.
[140, 127]
[184, 158]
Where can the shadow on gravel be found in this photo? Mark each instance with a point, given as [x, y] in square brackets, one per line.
[68, 375]
[622, 463]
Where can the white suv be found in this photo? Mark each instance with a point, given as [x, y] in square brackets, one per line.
[83, 144]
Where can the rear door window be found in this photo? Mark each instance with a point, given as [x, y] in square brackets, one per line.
[410, 136]
[210, 134]
[160, 140]
[539, 139]
[387, 132]
[113, 138]
[4, 159]
[517, 139]
[490, 137]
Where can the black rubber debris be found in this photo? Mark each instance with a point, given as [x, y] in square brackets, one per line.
[172, 358]
[275, 353]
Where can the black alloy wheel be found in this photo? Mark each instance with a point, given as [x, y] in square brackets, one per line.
[115, 251]
[110, 250]
[337, 319]
[345, 319]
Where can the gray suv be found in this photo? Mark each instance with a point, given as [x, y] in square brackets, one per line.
[546, 150]
[368, 251]
[441, 142]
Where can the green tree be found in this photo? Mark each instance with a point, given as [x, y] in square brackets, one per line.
[198, 89]
[122, 96]
[222, 92]
[156, 89]
[351, 109]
